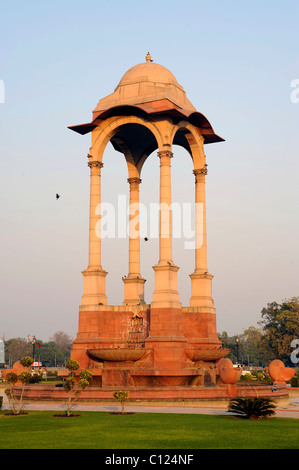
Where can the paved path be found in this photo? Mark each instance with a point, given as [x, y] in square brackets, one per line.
[290, 411]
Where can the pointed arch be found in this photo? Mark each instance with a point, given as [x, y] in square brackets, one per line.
[194, 142]
[108, 130]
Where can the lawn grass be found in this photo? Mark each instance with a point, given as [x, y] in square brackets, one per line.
[101, 430]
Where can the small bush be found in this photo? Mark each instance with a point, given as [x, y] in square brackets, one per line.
[246, 377]
[252, 408]
[12, 378]
[73, 385]
[35, 379]
[26, 361]
[121, 396]
[260, 376]
[256, 376]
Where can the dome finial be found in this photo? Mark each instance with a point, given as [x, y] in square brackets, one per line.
[148, 57]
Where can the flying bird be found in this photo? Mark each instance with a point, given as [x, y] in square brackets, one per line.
[57, 196]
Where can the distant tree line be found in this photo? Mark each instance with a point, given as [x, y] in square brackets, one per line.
[54, 353]
[278, 327]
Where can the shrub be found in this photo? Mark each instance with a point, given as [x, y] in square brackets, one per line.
[12, 378]
[246, 377]
[260, 376]
[35, 378]
[252, 408]
[26, 361]
[121, 396]
[73, 385]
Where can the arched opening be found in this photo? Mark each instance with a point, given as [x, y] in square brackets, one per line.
[113, 242]
[134, 142]
[183, 214]
[138, 139]
[149, 235]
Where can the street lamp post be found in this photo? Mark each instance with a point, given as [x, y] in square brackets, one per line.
[33, 342]
[237, 341]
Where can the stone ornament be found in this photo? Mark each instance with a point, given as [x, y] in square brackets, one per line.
[279, 373]
[227, 372]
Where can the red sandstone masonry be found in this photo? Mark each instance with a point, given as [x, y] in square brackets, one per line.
[178, 395]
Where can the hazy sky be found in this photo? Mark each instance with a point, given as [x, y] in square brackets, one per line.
[236, 61]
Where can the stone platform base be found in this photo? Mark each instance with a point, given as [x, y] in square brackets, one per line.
[179, 396]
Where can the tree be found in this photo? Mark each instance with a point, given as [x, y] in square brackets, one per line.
[16, 348]
[230, 343]
[51, 355]
[75, 385]
[251, 340]
[224, 338]
[24, 377]
[121, 396]
[280, 327]
[63, 341]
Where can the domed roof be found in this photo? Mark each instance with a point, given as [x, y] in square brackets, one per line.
[150, 72]
[150, 89]
[146, 83]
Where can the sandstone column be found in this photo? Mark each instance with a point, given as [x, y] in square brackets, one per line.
[166, 334]
[134, 238]
[200, 215]
[165, 207]
[165, 294]
[201, 289]
[94, 216]
[134, 283]
[200, 318]
[94, 292]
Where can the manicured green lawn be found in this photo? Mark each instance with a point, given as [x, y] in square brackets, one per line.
[101, 430]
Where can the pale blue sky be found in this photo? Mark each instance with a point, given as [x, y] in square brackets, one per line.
[235, 60]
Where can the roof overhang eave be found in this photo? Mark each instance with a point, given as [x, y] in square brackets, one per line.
[195, 118]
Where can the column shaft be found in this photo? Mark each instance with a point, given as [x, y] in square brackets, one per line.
[200, 215]
[201, 286]
[94, 216]
[134, 234]
[165, 294]
[134, 283]
[165, 207]
[94, 289]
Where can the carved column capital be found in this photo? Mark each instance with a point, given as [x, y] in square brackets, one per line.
[95, 164]
[134, 183]
[165, 156]
[134, 179]
[200, 171]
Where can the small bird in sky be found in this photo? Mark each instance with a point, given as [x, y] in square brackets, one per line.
[57, 196]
